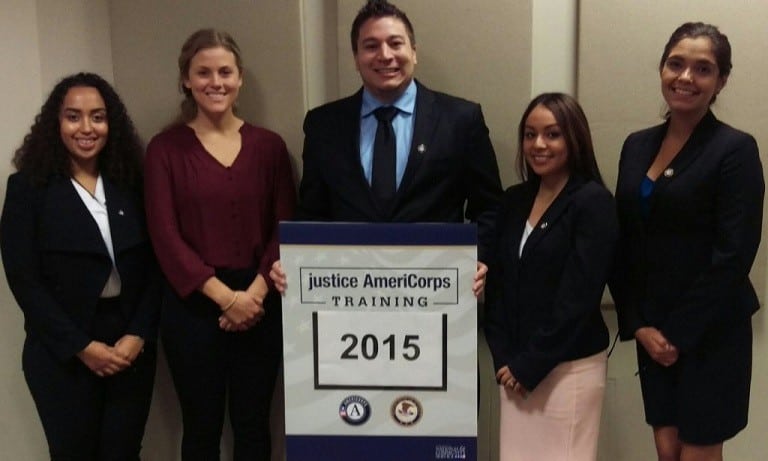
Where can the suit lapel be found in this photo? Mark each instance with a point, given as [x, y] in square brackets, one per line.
[636, 161]
[426, 120]
[351, 148]
[67, 224]
[690, 151]
[551, 216]
[125, 220]
[643, 155]
[687, 155]
[519, 217]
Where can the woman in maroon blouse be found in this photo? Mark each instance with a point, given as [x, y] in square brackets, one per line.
[216, 188]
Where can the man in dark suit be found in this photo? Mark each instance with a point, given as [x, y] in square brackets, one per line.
[445, 167]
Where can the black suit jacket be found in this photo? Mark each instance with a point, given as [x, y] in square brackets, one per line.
[544, 305]
[451, 165]
[685, 267]
[57, 263]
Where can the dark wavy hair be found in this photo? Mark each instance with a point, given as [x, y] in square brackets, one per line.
[572, 121]
[43, 154]
[200, 40]
[379, 9]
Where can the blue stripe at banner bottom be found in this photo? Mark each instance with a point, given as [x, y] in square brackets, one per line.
[379, 448]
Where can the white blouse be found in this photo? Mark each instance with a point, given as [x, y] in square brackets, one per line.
[526, 232]
[97, 205]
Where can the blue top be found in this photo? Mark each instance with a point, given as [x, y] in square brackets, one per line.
[402, 124]
[646, 189]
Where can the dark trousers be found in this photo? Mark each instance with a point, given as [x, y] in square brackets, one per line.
[85, 417]
[209, 365]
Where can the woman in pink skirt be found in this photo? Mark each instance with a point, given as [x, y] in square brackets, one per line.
[556, 234]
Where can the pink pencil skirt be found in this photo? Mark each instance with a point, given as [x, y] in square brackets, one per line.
[560, 419]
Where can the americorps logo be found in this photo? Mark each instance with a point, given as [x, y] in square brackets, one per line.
[355, 410]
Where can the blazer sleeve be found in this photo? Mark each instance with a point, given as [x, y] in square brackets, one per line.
[738, 221]
[483, 183]
[495, 325]
[578, 295]
[314, 196]
[21, 259]
[146, 317]
[619, 280]
[147, 314]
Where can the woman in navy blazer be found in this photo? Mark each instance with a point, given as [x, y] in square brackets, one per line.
[79, 262]
[690, 200]
[556, 234]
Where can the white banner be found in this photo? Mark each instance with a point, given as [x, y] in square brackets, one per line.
[380, 339]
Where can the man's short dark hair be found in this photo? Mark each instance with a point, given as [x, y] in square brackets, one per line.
[379, 9]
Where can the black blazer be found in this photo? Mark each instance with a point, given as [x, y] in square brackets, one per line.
[451, 163]
[686, 267]
[544, 305]
[57, 263]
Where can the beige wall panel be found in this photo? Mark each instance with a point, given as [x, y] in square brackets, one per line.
[620, 45]
[74, 37]
[479, 50]
[147, 36]
[20, 433]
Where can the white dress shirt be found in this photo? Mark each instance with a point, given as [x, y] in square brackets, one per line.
[97, 205]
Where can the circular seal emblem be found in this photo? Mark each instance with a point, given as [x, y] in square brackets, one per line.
[406, 411]
[355, 410]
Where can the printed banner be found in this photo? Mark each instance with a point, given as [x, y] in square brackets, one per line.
[380, 341]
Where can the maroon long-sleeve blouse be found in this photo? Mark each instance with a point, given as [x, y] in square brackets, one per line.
[203, 216]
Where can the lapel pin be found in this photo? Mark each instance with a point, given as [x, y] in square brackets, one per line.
[120, 212]
[669, 172]
[544, 225]
[421, 148]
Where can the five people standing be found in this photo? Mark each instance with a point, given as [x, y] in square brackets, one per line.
[78, 259]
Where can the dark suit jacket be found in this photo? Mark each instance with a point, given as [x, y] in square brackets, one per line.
[456, 166]
[685, 267]
[544, 305]
[57, 263]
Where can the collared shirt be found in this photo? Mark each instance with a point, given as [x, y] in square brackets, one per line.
[402, 124]
[97, 206]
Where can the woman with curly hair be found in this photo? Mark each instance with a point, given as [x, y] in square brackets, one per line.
[80, 265]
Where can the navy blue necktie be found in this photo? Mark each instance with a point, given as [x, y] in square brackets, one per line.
[383, 182]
